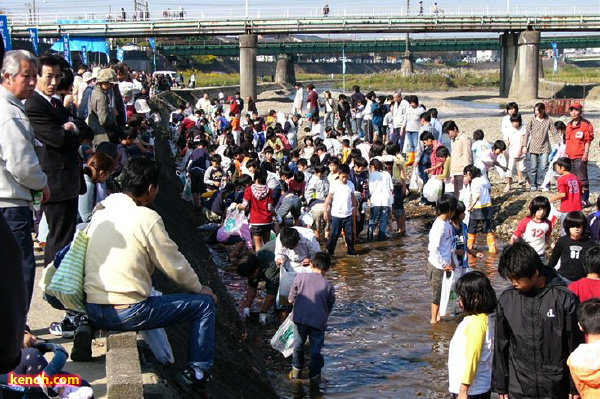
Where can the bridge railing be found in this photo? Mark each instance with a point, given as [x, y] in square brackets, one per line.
[300, 13]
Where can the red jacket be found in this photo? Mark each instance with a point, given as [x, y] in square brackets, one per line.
[577, 136]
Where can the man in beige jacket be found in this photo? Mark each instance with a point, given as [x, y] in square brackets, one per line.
[461, 154]
[127, 241]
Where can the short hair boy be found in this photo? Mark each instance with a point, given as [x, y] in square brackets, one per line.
[536, 329]
[313, 297]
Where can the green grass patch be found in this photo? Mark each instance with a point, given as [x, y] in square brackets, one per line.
[573, 74]
[439, 80]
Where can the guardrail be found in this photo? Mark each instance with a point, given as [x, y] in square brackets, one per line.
[300, 12]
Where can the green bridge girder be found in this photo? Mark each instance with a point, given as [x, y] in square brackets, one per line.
[371, 46]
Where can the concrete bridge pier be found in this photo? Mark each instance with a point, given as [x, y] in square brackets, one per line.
[285, 71]
[248, 50]
[519, 71]
[406, 69]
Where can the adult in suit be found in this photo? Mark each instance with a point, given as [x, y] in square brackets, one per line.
[58, 156]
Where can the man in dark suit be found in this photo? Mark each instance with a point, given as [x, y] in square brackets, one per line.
[58, 156]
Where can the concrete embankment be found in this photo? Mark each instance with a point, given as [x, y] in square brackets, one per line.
[238, 371]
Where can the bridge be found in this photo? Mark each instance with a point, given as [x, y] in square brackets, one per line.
[520, 28]
[331, 47]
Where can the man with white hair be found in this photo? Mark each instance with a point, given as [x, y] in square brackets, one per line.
[21, 176]
[398, 109]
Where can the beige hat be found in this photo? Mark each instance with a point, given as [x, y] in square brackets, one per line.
[141, 106]
[107, 76]
[87, 76]
[95, 72]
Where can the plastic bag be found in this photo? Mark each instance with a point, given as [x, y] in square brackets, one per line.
[432, 190]
[158, 341]
[286, 279]
[233, 222]
[283, 340]
[187, 190]
[449, 299]
[416, 183]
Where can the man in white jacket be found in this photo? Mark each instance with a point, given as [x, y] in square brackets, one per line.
[298, 100]
[398, 109]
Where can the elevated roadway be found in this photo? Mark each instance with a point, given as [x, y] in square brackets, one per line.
[438, 23]
[369, 46]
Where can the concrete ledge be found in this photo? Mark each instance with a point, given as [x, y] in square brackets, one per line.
[123, 370]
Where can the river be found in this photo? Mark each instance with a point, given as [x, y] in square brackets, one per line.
[379, 342]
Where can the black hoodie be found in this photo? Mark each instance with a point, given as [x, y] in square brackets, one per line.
[534, 335]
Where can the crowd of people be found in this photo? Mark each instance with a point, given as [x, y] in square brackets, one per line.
[281, 187]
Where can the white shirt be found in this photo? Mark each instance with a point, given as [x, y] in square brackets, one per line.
[513, 138]
[334, 147]
[399, 113]
[299, 99]
[380, 188]
[317, 130]
[307, 247]
[341, 199]
[440, 244]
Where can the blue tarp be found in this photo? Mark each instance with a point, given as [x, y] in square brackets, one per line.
[92, 44]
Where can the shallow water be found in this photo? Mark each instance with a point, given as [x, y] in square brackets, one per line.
[379, 342]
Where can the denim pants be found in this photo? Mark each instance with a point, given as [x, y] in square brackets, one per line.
[317, 340]
[337, 224]
[379, 215]
[413, 141]
[395, 136]
[19, 221]
[538, 165]
[165, 311]
[329, 119]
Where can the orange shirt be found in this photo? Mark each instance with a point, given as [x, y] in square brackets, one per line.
[577, 136]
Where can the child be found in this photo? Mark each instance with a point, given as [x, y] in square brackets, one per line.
[471, 348]
[583, 362]
[536, 229]
[513, 138]
[339, 207]
[440, 250]
[381, 198]
[214, 174]
[313, 297]
[346, 151]
[491, 159]
[317, 189]
[535, 329]
[569, 189]
[260, 199]
[556, 153]
[589, 286]
[334, 166]
[309, 148]
[443, 154]
[459, 230]
[571, 248]
[480, 207]
[480, 145]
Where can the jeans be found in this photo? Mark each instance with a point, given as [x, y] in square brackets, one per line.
[413, 141]
[19, 221]
[395, 136]
[165, 311]
[290, 204]
[329, 119]
[379, 215]
[538, 165]
[337, 224]
[367, 128]
[357, 125]
[317, 340]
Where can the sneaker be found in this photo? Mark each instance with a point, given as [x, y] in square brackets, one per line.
[82, 344]
[64, 328]
[190, 378]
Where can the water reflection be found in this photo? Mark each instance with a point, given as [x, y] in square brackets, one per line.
[379, 342]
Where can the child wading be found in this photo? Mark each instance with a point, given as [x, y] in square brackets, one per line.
[480, 207]
[313, 297]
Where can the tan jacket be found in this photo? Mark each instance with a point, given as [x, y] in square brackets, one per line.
[127, 242]
[461, 154]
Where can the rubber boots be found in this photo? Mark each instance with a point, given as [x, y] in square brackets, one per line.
[294, 374]
[411, 158]
[471, 241]
[491, 242]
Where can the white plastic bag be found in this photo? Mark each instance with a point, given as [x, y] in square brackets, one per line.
[186, 194]
[416, 183]
[283, 340]
[432, 190]
[449, 299]
[286, 279]
[158, 341]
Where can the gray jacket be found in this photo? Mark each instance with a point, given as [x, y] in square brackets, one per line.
[20, 170]
[101, 115]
